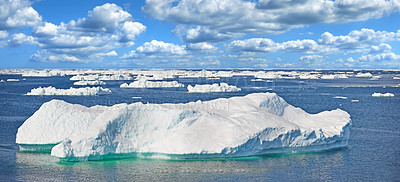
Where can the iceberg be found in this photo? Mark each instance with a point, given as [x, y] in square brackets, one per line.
[87, 91]
[85, 83]
[93, 77]
[375, 94]
[12, 80]
[222, 87]
[255, 124]
[150, 84]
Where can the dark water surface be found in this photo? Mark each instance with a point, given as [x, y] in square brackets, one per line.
[373, 152]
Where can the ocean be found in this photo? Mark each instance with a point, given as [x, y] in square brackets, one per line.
[372, 154]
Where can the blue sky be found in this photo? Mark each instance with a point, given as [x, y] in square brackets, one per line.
[325, 34]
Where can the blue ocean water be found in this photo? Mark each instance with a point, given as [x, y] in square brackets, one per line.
[373, 151]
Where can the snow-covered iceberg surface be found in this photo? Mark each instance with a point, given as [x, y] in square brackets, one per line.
[85, 83]
[375, 94]
[222, 87]
[87, 91]
[256, 124]
[150, 84]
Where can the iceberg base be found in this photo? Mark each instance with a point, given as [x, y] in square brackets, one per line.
[274, 151]
[45, 148]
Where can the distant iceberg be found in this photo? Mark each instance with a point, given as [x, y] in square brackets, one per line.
[375, 94]
[85, 83]
[93, 77]
[222, 87]
[256, 124]
[12, 80]
[150, 84]
[87, 91]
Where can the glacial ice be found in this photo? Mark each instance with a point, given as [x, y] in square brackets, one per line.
[375, 94]
[87, 91]
[85, 83]
[255, 124]
[150, 84]
[222, 87]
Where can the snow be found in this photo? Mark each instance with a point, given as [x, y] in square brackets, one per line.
[84, 83]
[222, 87]
[256, 124]
[150, 84]
[87, 91]
[375, 94]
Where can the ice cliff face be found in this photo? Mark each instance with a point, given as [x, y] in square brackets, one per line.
[255, 124]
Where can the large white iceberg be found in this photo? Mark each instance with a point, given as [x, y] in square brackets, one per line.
[150, 84]
[87, 91]
[222, 87]
[256, 124]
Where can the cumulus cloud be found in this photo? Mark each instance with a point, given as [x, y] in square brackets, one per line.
[233, 18]
[3, 34]
[21, 39]
[17, 14]
[265, 45]
[105, 28]
[358, 38]
[105, 18]
[201, 47]
[156, 48]
[46, 56]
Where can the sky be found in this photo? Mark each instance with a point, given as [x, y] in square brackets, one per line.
[173, 34]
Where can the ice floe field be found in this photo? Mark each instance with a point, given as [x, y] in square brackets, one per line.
[203, 125]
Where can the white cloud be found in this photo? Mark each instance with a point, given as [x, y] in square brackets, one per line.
[105, 18]
[202, 46]
[232, 18]
[254, 45]
[17, 14]
[358, 38]
[130, 30]
[3, 34]
[382, 48]
[264, 45]
[156, 48]
[20, 39]
[106, 27]
[45, 56]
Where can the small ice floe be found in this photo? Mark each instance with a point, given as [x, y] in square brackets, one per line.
[87, 91]
[85, 83]
[375, 94]
[355, 100]
[257, 80]
[222, 87]
[151, 84]
[339, 97]
[213, 78]
[2, 81]
[375, 77]
[396, 78]
[136, 97]
[12, 80]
